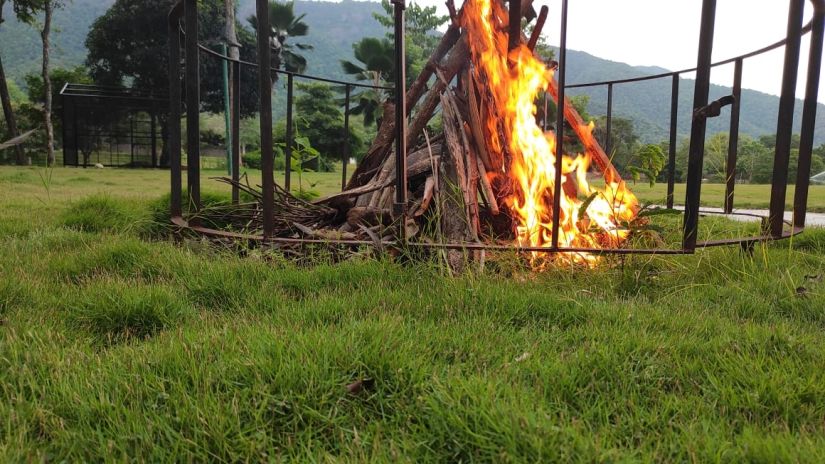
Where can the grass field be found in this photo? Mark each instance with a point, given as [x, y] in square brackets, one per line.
[115, 348]
[141, 183]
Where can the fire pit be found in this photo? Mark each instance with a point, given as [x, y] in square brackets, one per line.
[494, 179]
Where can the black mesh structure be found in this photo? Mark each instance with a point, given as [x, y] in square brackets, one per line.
[113, 126]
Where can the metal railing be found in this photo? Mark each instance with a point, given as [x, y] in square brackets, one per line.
[187, 9]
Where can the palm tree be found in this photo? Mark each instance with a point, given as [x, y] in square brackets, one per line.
[376, 66]
[284, 25]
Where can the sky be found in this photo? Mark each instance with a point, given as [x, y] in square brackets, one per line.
[665, 33]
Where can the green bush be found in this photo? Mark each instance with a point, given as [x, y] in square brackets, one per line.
[252, 160]
[211, 137]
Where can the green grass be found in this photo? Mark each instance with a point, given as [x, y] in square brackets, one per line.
[114, 348]
[745, 195]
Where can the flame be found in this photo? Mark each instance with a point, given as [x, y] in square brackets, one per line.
[514, 80]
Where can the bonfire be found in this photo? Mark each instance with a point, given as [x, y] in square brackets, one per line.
[490, 176]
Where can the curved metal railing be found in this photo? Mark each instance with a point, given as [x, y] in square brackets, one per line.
[775, 224]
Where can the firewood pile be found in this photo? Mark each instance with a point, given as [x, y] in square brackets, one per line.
[458, 186]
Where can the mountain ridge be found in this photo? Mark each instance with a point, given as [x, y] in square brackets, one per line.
[335, 26]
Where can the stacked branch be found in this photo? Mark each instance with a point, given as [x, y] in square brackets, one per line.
[456, 181]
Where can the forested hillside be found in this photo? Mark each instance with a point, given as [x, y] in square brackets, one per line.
[20, 43]
[334, 27]
[648, 103]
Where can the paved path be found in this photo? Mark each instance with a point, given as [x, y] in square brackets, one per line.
[811, 219]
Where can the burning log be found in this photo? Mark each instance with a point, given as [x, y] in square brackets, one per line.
[490, 171]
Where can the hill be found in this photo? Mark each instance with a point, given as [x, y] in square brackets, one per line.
[335, 26]
[648, 103]
[333, 29]
[21, 47]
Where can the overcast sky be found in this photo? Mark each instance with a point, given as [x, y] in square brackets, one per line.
[665, 33]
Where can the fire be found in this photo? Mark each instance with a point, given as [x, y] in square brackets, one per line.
[514, 80]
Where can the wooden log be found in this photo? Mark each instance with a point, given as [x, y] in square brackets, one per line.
[419, 164]
[324, 234]
[474, 120]
[384, 177]
[387, 195]
[528, 12]
[487, 189]
[454, 134]
[447, 43]
[380, 148]
[459, 57]
[452, 220]
[426, 199]
[456, 224]
[369, 216]
[470, 161]
[378, 151]
[534, 38]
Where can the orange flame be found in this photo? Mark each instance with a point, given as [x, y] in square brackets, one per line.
[514, 81]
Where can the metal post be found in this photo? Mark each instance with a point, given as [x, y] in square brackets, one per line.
[560, 125]
[174, 116]
[400, 206]
[193, 177]
[236, 129]
[290, 136]
[76, 137]
[63, 121]
[733, 141]
[784, 126]
[671, 152]
[265, 108]
[153, 128]
[131, 141]
[698, 126]
[226, 110]
[345, 151]
[607, 144]
[803, 174]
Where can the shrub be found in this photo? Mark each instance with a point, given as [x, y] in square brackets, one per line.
[211, 137]
[252, 160]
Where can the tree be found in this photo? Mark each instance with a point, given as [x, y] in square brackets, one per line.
[284, 25]
[624, 142]
[716, 156]
[36, 91]
[376, 57]
[320, 120]
[130, 43]
[376, 66]
[25, 10]
[48, 9]
[421, 33]
[650, 161]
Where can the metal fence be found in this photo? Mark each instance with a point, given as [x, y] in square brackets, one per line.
[702, 109]
[111, 126]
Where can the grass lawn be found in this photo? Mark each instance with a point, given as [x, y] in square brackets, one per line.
[745, 196]
[114, 347]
